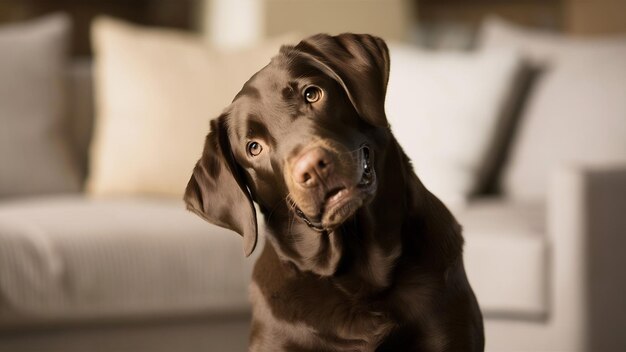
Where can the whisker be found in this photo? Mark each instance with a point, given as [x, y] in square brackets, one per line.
[357, 149]
[292, 218]
[273, 210]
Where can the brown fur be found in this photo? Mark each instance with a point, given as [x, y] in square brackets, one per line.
[385, 272]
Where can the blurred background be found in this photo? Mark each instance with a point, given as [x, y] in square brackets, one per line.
[513, 112]
[241, 22]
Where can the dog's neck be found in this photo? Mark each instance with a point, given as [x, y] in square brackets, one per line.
[366, 248]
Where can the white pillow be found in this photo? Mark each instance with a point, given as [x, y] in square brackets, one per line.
[156, 91]
[444, 108]
[541, 47]
[577, 110]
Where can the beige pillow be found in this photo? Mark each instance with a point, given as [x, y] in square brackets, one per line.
[156, 91]
[576, 112]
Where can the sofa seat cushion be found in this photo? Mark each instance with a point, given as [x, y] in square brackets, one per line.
[506, 256]
[77, 257]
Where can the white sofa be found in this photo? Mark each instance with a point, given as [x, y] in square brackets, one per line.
[551, 272]
[142, 274]
[568, 153]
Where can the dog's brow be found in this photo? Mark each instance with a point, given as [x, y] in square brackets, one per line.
[290, 91]
[248, 91]
[257, 129]
[292, 99]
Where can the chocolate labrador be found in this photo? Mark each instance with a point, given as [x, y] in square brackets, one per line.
[360, 256]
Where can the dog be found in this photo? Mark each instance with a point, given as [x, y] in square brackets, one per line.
[359, 256]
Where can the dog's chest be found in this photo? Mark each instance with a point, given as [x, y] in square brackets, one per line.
[313, 312]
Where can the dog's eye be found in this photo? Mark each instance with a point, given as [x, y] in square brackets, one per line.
[254, 148]
[312, 94]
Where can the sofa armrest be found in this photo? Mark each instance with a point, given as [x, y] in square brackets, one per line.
[587, 229]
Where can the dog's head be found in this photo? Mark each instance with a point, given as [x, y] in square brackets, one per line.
[304, 131]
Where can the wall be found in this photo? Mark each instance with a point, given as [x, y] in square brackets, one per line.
[389, 19]
[594, 17]
[233, 23]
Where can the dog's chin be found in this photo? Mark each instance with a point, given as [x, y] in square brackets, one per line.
[341, 207]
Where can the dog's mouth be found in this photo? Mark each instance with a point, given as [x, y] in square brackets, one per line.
[367, 177]
[341, 202]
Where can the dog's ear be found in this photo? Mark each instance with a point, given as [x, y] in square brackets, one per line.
[217, 191]
[360, 63]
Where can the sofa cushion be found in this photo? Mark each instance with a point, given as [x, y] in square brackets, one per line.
[447, 127]
[35, 153]
[576, 113]
[506, 256]
[67, 258]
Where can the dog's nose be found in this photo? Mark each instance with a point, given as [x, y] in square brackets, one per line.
[312, 167]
